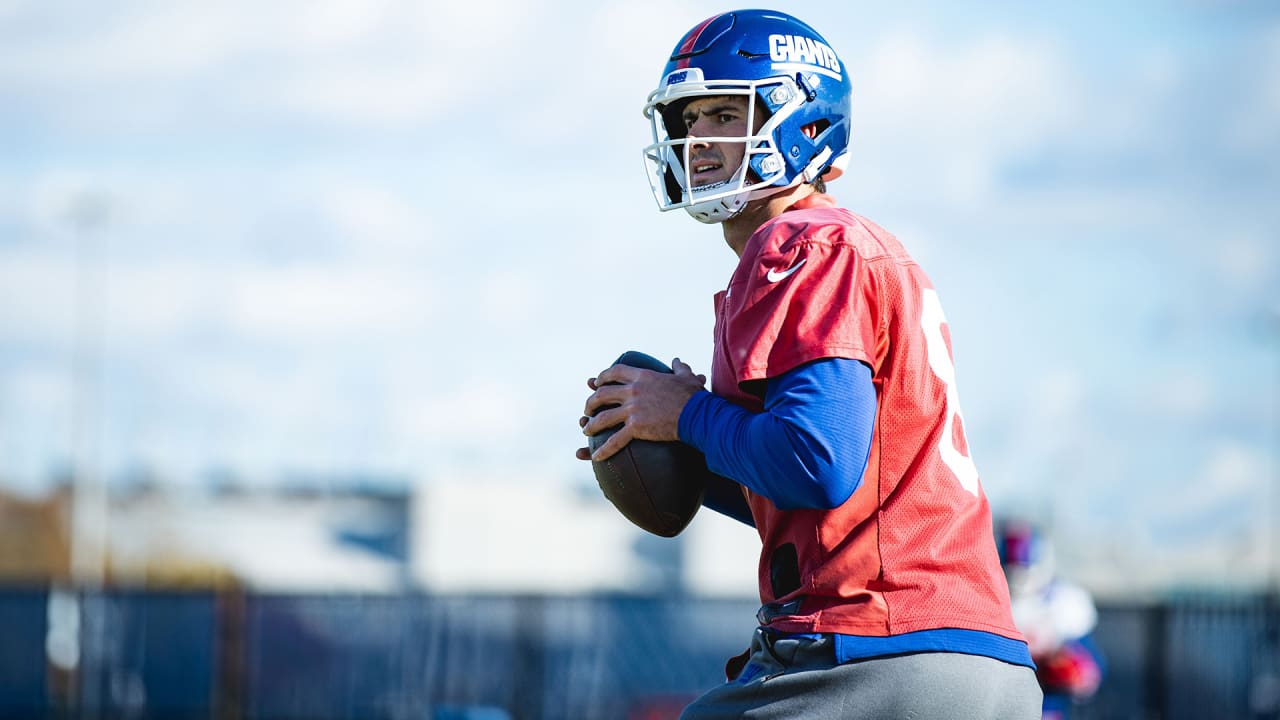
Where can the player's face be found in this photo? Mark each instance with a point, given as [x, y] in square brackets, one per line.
[717, 116]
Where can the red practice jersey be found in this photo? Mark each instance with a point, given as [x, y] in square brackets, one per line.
[912, 549]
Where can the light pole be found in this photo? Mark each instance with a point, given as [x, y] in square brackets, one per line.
[88, 214]
[1272, 517]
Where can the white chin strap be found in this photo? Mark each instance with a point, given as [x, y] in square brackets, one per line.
[718, 210]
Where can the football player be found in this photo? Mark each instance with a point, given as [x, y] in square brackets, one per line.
[833, 418]
[1055, 615]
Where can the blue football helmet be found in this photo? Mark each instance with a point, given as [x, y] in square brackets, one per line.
[781, 65]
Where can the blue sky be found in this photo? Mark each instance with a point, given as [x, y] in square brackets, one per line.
[395, 238]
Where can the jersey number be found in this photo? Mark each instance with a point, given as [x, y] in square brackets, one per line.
[931, 320]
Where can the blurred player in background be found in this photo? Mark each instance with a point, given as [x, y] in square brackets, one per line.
[833, 406]
[1057, 618]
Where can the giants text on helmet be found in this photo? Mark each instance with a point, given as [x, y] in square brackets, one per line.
[800, 49]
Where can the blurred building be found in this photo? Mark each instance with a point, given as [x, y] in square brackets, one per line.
[35, 542]
[465, 535]
[277, 540]
[492, 535]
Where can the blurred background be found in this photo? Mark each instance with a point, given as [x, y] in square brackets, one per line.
[298, 301]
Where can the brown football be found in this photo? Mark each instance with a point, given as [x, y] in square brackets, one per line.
[656, 485]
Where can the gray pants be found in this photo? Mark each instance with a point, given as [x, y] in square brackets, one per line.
[799, 678]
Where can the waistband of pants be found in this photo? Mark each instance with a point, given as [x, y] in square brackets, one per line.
[774, 610]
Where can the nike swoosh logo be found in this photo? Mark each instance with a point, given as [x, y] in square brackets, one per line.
[775, 276]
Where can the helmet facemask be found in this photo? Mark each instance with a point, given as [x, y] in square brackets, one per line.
[668, 158]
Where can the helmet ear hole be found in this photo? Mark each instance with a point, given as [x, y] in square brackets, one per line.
[673, 119]
[674, 192]
[816, 128]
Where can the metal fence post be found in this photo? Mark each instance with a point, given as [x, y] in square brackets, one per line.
[527, 693]
[1156, 691]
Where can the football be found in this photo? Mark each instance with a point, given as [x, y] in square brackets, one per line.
[656, 485]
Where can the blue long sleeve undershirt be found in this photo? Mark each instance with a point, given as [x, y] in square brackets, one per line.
[808, 449]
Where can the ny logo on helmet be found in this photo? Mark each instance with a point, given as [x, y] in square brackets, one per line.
[801, 49]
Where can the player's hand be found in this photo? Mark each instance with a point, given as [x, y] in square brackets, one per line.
[645, 403]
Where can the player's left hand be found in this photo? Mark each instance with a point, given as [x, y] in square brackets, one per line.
[646, 403]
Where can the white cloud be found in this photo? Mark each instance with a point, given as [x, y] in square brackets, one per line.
[37, 421]
[1181, 394]
[999, 91]
[328, 303]
[378, 221]
[239, 408]
[964, 109]
[335, 23]
[1061, 396]
[1233, 468]
[143, 303]
[368, 64]
[1247, 260]
[1229, 472]
[62, 202]
[513, 300]
[471, 411]
[1252, 123]
[603, 84]
[37, 298]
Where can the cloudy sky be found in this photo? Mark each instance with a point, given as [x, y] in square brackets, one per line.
[394, 238]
